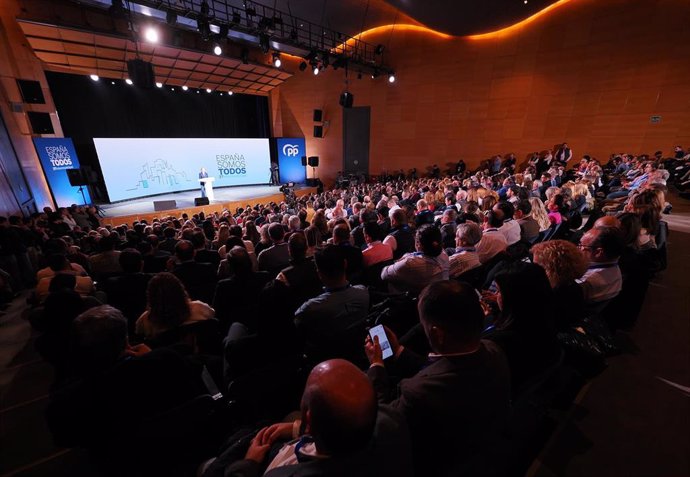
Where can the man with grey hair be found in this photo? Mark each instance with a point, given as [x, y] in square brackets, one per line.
[465, 257]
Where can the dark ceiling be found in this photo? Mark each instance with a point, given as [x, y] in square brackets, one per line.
[456, 17]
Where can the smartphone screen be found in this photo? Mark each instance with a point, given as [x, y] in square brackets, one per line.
[383, 340]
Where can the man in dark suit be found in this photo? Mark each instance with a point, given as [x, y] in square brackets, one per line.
[353, 255]
[203, 255]
[127, 292]
[341, 433]
[198, 278]
[456, 406]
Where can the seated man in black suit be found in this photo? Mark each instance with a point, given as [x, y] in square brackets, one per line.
[340, 433]
[276, 257]
[237, 298]
[118, 388]
[353, 254]
[458, 405]
[203, 255]
[127, 292]
[198, 278]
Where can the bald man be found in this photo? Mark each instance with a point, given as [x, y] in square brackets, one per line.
[342, 431]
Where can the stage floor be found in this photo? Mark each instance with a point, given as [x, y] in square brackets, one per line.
[185, 200]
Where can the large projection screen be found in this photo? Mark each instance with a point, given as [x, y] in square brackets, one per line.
[140, 167]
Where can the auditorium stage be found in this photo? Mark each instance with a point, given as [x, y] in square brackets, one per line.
[225, 198]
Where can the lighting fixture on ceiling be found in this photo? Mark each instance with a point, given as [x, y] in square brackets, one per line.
[185, 87]
[217, 50]
[94, 77]
[276, 60]
[316, 70]
[129, 81]
[151, 34]
[171, 17]
[208, 90]
[264, 42]
[159, 84]
[391, 78]
[229, 93]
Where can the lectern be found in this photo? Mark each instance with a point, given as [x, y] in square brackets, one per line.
[207, 182]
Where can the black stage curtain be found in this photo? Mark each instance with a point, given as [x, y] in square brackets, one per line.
[89, 109]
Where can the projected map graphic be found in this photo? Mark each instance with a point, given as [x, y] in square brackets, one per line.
[160, 174]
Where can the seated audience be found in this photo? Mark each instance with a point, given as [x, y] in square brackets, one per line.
[340, 432]
[276, 257]
[332, 323]
[510, 228]
[353, 255]
[199, 279]
[127, 292]
[401, 238]
[457, 406]
[529, 227]
[601, 248]
[465, 257]
[493, 240]
[168, 306]
[301, 277]
[413, 271]
[563, 264]
[107, 261]
[376, 251]
[525, 329]
[58, 264]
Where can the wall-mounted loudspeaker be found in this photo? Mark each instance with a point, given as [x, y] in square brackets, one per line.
[314, 161]
[31, 91]
[304, 160]
[76, 177]
[346, 99]
[318, 115]
[141, 73]
[318, 131]
[40, 123]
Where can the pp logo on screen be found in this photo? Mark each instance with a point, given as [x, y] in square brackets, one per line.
[290, 150]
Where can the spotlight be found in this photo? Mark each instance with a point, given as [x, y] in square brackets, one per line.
[185, 87]
[276, 60]
[303, 66]
[171, 17]
[391, 78]
[217, 50]
[208, 90]
[229, 93]
[379, 49]
[316, 70]
[172, 89]
[264, 42]
[112, 82]
[197, 91]
[151, 35]
[94, 77]
[129, 81]
[159, 84]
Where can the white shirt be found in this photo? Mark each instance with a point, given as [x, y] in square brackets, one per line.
[511, 230]
[601, 282]
[493, 242]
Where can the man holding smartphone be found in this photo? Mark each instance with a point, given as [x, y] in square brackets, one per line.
[457, 400]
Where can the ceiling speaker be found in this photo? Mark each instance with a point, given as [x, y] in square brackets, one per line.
[318, 115]
[318, 131]
[314, 161]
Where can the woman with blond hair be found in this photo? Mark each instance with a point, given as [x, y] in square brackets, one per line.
[563, 264]
[539, 213]
[221, 237]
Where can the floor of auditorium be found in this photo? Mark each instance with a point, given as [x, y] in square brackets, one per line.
[632, 420]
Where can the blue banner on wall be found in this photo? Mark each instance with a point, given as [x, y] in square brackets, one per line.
[57, 155]
[290, 152]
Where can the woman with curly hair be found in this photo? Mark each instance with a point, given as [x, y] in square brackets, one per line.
[168, 306]
[563, 264]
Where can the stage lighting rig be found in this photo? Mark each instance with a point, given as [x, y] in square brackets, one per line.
[276, 60]
[204, 28]
[264, 41]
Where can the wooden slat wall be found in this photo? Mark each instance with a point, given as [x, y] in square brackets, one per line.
[590, 72]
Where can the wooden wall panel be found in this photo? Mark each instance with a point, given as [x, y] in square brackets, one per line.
[591, 72]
